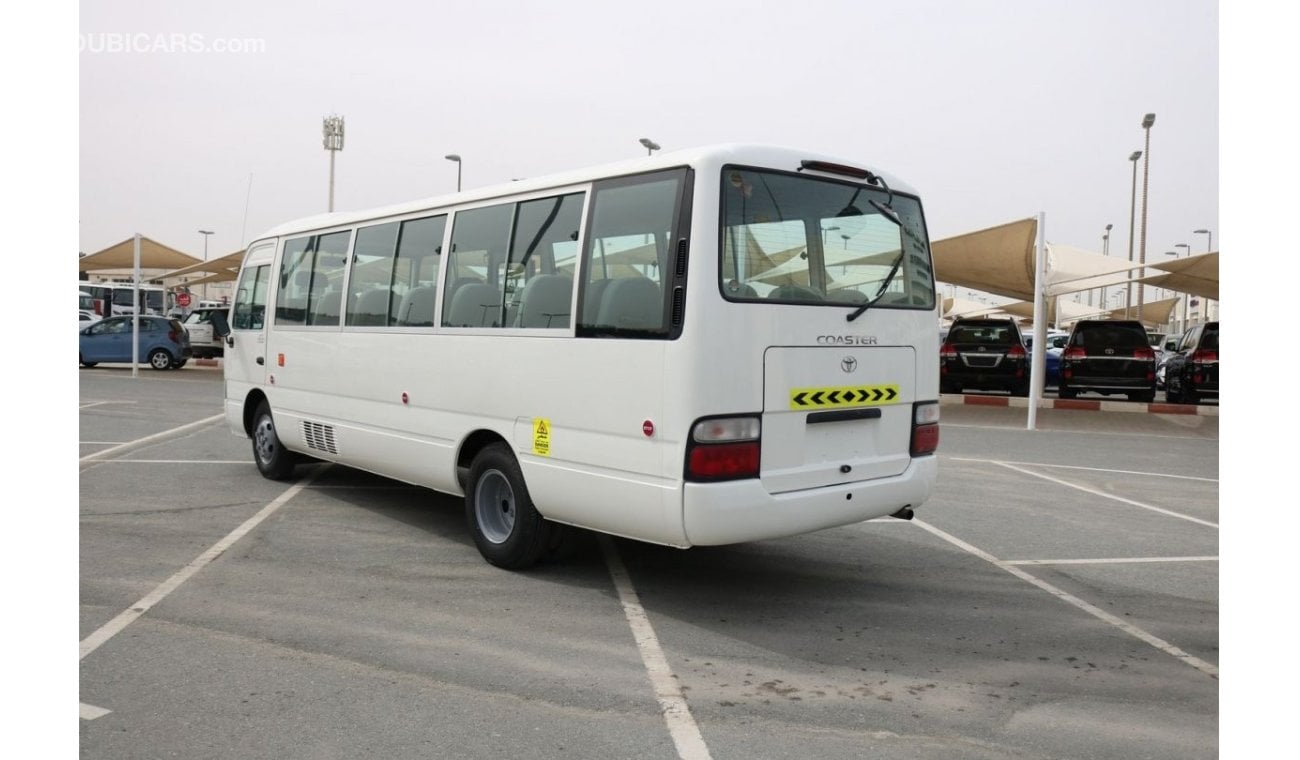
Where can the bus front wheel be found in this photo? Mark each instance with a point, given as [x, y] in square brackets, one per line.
[508, 531]
[273, 460]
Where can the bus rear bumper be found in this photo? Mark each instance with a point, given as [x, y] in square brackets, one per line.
[742, 510]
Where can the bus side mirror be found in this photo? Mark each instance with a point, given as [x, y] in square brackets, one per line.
[220, 325]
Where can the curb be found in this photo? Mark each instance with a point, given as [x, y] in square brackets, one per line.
[1083, 405]
[207, 362]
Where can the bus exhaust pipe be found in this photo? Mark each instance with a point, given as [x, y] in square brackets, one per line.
[904, 514]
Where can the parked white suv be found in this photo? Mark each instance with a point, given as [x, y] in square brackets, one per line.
[198, 324]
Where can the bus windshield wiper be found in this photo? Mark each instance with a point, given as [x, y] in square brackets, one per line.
[880, 293]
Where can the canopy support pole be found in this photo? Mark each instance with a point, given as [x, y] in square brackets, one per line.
[1038, 364]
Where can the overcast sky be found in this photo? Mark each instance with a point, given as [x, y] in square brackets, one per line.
[994, 111]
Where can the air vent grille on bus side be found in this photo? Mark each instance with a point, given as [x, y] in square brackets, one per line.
[319, 437]
[681, 257]
[679, 305]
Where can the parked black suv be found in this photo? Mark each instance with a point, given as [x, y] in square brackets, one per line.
[986, 354]
[1192, 370]
[1108, 356]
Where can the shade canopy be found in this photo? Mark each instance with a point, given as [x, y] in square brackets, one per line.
[153, 255]
[223, 269]
[1001, 260]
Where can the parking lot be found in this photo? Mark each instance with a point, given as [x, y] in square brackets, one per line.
[1057, 597]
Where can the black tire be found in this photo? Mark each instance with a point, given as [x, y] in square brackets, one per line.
[1066, 393]
[1020, 389]
[85, 363]
[507, 529]
[949, 388]
[1143, 396]
[274, 461]
[159, 359]
[1190, 396]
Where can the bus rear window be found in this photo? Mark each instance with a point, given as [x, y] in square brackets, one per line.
[798, 239]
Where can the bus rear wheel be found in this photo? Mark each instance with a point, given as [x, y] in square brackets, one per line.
[508, 530]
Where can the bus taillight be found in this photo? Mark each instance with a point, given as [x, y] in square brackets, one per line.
[925, 428]
[723, 448]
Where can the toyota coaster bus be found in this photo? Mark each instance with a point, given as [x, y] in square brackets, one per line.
[706, 347]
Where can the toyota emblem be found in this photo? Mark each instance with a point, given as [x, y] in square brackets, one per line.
[848, 364]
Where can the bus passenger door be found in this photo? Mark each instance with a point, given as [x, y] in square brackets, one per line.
[245, 357]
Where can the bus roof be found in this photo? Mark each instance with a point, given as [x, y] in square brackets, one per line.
[764, 155]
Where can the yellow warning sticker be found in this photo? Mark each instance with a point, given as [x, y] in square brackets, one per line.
[541, 436]
[834, 398]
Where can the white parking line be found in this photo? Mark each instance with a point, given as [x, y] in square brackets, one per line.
[672, 702]
[1132, 630]
[137, 443]
[1110, 496]
[90, 712]
[90, 404]
[132, 613]
[1111, 561]
[1021, 426]
[1090, 469]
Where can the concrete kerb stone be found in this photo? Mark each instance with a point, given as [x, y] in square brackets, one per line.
[1084, 405]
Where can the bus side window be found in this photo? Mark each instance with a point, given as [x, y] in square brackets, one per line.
[623, 258]
[479, 240]
[371, 282]
[250, 299]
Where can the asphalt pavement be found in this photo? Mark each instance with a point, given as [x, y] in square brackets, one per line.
[1057, 597]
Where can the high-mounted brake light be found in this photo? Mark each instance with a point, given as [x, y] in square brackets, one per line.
[833, 168]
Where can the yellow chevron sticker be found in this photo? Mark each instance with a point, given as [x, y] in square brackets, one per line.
[853, 395]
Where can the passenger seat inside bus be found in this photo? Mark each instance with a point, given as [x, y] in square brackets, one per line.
[474, 305]
[371, 308]
[795, 293]
[546, 301]
[633, 303]
[327, 308]
[417, 307]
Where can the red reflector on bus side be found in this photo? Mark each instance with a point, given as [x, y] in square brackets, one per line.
[723, 461]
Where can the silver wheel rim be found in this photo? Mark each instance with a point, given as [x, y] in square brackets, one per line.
[494, 506]
[264, 440]
[161, 360]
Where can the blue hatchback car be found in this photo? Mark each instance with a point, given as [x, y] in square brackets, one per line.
[164, 344]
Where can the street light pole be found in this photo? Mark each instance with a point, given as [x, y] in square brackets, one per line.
[1209, 246]
[1147, 121]
[205, 234]
[1132, 215]
[1186, 296]
[1209, 243]
[455, 158]
[650, 145]
[1105, 251]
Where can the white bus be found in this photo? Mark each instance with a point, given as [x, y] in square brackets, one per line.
[708, 347]
[119, 297]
